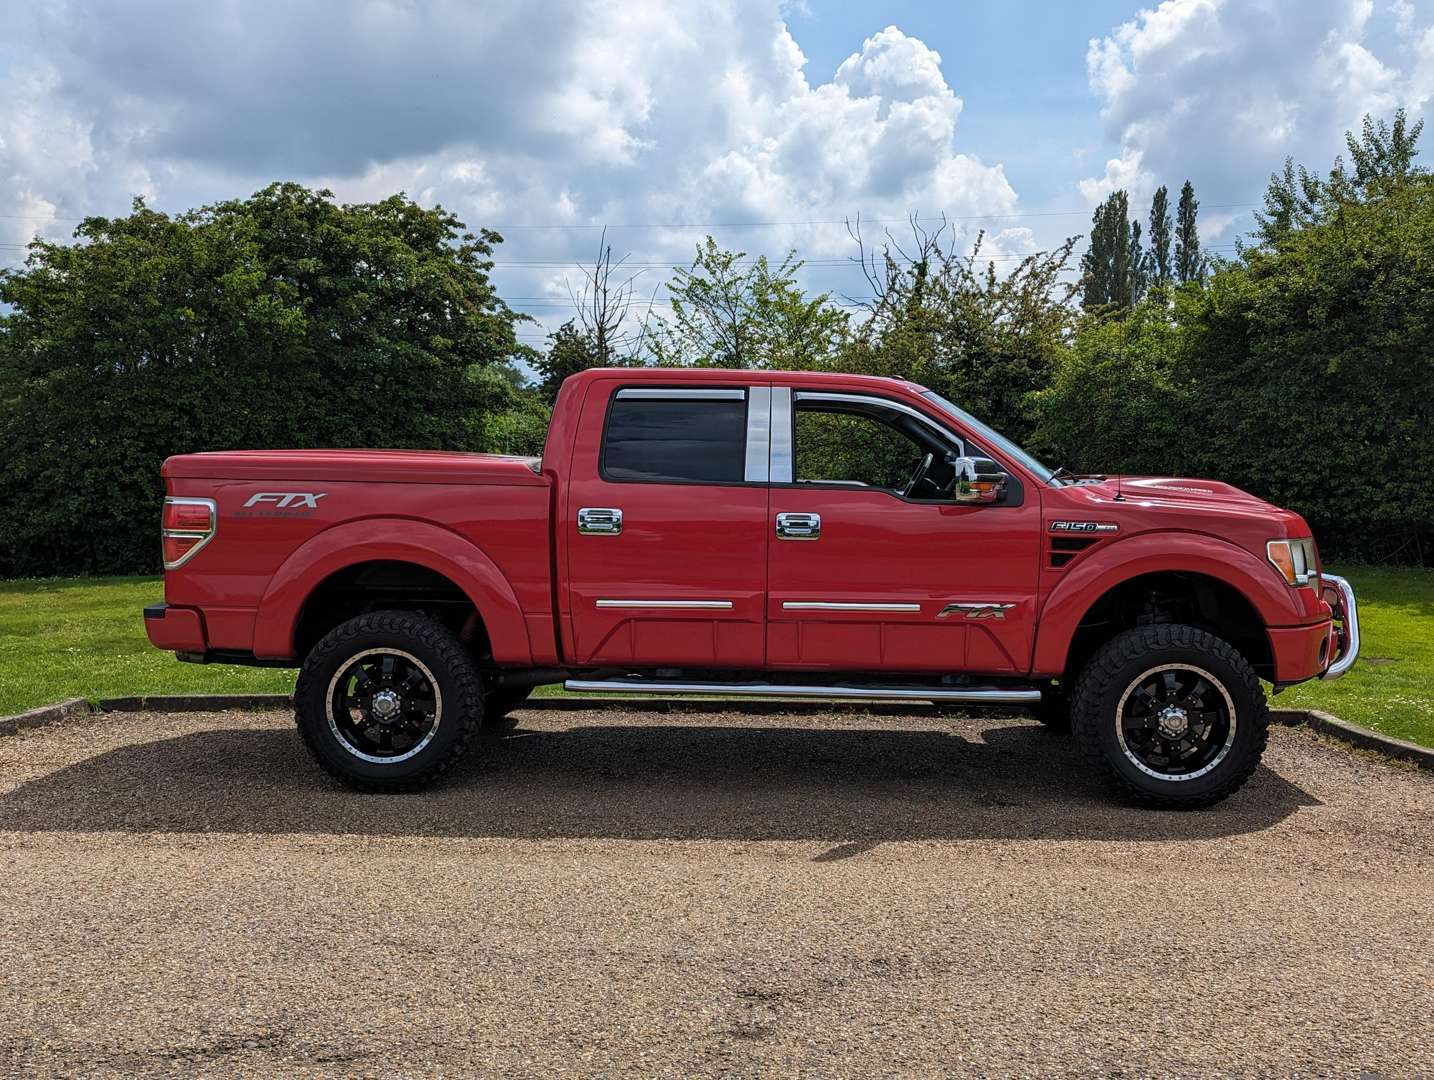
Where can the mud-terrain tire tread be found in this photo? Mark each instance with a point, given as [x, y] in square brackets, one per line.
[1136, 645]
[400, 627]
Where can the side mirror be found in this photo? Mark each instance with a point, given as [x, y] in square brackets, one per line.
[978, 480]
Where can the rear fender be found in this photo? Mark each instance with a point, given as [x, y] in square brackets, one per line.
[1150, 553]
[398, 540]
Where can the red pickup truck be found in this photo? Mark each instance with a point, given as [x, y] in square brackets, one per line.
[749, 533]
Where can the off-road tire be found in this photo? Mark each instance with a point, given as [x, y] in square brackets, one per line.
[1054, 709]
[460, 714]
[1121, 661]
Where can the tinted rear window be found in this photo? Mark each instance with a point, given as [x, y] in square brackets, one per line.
[676, 440]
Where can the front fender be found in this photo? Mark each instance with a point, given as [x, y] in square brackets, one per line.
[1151, 553]
[397, 540]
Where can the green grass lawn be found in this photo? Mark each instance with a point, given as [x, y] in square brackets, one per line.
[84, 637]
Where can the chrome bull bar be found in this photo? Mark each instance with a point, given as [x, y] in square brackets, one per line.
[1339, 595]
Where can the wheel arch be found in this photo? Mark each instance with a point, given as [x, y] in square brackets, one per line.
[439, 559]
[1201, 580]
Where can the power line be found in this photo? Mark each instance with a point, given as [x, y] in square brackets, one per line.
[763, 224]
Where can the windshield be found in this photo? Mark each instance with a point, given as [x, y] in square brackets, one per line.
[992, 438]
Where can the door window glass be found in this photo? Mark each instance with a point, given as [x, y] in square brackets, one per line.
[677, 440]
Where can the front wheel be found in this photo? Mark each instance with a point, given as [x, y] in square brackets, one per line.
[388, 701]
[1172, 714]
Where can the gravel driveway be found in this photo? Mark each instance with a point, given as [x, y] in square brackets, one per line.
[692, 893]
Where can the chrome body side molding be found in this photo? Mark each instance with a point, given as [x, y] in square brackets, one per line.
[825, 605]
[977, 610]
[711, 605]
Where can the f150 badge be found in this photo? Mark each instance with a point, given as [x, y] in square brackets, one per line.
[281, 503]
[1084, 526]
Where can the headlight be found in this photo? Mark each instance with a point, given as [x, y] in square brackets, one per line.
[1294, 559]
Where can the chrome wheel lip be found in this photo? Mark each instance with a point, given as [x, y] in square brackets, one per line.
[1214, 762]
[416, 748]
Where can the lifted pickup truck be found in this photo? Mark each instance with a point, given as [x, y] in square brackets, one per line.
[750, 533]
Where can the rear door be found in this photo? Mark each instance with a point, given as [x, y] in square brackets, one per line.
[866, 575]
[665, 526]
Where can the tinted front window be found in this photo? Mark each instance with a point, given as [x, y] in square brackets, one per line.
[676, 440]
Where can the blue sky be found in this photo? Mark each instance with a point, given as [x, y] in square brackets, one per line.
[1019, 66]
[552, 118]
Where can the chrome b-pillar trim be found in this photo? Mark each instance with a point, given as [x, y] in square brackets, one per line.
[781, 455]
[759, 428]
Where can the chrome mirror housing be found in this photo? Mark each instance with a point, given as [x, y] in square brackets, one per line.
[978, 480]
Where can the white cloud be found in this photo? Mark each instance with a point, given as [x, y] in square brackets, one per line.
[1221, 91]
[531, 112]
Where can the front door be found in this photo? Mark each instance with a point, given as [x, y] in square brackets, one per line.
[665, 526]
[871, 566]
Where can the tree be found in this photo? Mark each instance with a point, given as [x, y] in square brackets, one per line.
[727, 312]
[1161, 268]
[570, 350]
[1383, 157]
[983, 339]
[1114, 269]
[602, 303]
[1189, 265]
[279, 320]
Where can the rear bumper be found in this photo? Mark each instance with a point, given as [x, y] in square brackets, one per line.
[1324, 650]
[174, 629]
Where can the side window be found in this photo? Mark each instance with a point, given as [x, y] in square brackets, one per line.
[676, 439]
[852, 449]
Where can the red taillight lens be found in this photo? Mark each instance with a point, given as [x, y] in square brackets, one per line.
[186, 525]
[188, 516]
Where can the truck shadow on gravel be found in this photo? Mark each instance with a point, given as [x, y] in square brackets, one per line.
[654, 781]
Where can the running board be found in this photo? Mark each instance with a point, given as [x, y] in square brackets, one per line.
[960, 695]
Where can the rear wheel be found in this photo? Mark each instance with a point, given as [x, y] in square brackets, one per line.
[1172, 714]
[388, 701]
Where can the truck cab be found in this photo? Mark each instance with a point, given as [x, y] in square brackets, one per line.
[751, 533]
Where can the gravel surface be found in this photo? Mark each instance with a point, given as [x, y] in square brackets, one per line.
[680, 894]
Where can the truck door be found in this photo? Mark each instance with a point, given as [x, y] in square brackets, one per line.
[871, 566]
[664, 525]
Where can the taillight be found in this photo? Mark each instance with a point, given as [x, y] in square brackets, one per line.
[186, 525]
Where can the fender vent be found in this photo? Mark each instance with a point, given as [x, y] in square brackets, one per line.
[1066, 548]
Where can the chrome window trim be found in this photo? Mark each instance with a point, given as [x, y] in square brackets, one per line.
[759, 433]
[678, 394]
[833, 605]
[712, 605]
[886, 403]
[784, 401]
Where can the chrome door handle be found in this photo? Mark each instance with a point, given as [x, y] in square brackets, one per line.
[600, 521]
[799, 526]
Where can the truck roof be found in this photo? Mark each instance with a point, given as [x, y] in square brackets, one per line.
[669, 376]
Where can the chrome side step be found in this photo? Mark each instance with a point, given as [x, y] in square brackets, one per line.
[960, 695]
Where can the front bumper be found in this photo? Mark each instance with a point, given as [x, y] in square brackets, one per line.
[1338, 593]
[1321, 650]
